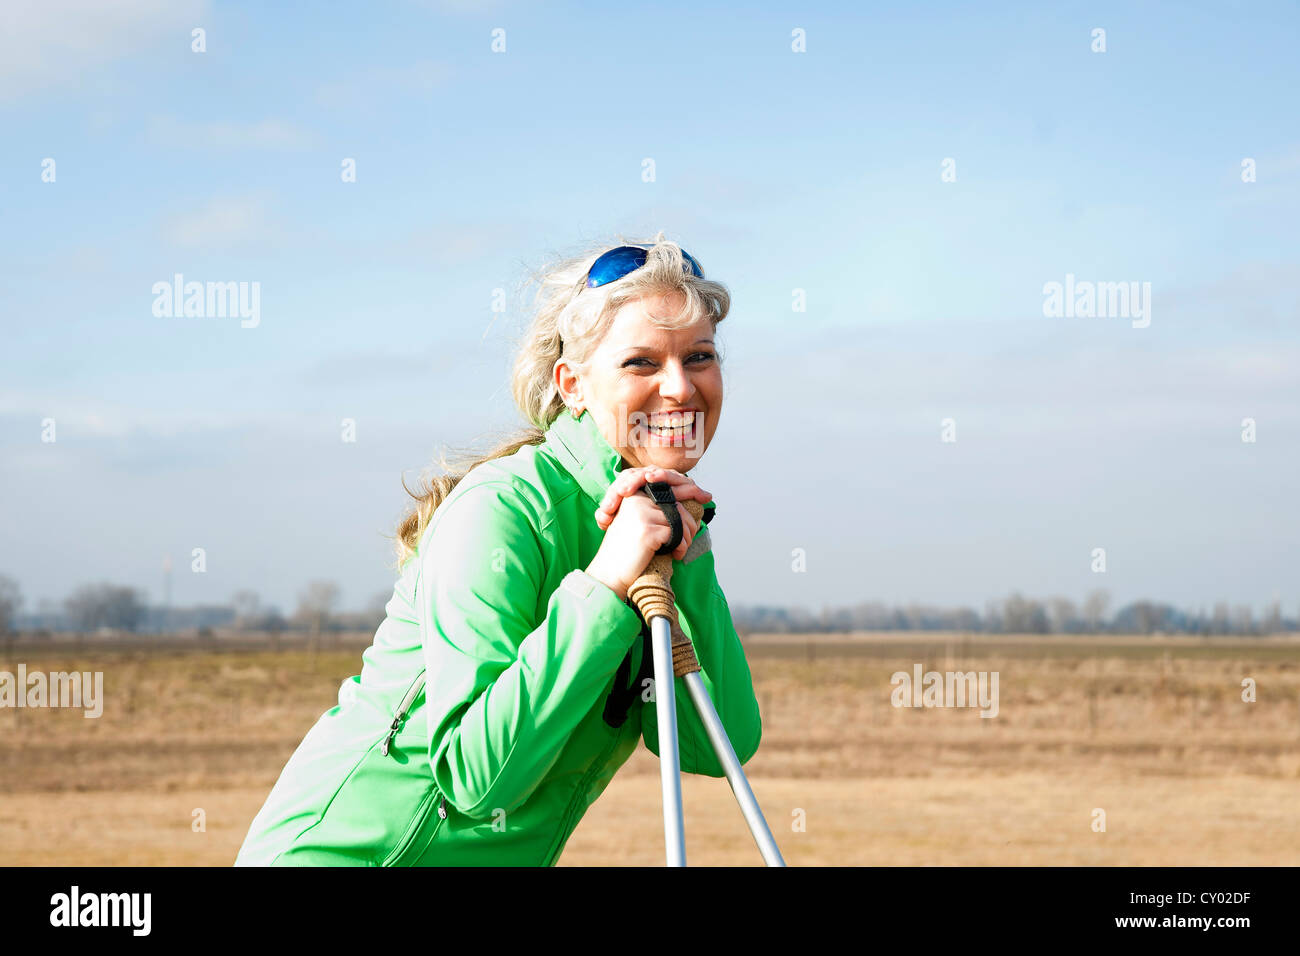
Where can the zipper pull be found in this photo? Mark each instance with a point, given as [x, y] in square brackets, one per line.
[403, 709]
[442, 808]
[392, 732]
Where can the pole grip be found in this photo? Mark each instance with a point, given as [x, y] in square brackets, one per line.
[652, 594]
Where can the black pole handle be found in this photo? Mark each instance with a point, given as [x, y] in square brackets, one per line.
[662, 493]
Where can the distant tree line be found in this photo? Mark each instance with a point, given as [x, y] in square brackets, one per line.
[1017, 614]
[108, 607]
[93, 607]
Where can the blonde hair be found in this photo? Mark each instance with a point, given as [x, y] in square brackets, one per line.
[569, 326]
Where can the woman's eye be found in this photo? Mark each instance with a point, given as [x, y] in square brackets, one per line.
[696, 357]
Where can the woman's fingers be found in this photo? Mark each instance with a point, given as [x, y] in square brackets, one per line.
[630, 482]
[689, 529]
[684, 487]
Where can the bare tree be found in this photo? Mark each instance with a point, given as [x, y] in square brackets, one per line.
[992, 616]
[314, 609]
[11, 599]
[369, 618]
[1273, 618]
[247, 606]
[316, 603]
[273, 623]
[1144, 613]
[1061, 612]
[1094, 608]
[1023, 615]
[377, 610]
[105, 605]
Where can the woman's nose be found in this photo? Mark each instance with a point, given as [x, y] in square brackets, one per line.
[676, 384]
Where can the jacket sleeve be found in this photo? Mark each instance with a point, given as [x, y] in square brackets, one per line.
[723, 667]
[502, 695]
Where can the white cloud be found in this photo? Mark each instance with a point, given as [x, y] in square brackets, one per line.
[265, 134]
[371, 87]
[54, 43]
[221, 221]
[1009, 378]
[100, 418]
[455, 243]
[398, 369]
[462, 6]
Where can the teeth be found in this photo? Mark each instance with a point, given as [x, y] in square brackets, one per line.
[675, 420]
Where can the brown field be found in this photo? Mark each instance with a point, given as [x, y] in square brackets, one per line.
[1151, 730]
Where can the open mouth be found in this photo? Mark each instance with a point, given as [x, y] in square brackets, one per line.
[677, 429]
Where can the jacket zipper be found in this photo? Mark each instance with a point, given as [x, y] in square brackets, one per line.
[583, 786]
[413, 833]
[399, 719]
[402, 710]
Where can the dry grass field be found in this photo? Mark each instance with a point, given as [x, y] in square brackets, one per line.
[1153, 731]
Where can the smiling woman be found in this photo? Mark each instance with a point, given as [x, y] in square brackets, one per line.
[656, 390]
[510, 678]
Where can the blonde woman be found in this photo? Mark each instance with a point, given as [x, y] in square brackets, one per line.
[510, 678]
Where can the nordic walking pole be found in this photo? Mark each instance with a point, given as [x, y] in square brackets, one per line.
[653, 595]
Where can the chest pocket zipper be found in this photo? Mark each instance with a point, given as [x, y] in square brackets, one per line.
[403, 709]
[399, 719]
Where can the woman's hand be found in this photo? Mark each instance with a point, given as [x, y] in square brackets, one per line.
[630, 482]
[636, 532]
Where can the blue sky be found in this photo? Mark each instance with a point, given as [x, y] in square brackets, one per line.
[778, 170]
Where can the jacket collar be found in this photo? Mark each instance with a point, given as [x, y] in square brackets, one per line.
[583, 450]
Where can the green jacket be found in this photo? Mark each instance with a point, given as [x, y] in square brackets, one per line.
[505, 687]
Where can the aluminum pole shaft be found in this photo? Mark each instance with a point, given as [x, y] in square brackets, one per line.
[669, 765]
[731, 766]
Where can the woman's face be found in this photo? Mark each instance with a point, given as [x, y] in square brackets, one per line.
[642, 377]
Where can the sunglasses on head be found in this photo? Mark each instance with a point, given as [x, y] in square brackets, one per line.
[616, 263]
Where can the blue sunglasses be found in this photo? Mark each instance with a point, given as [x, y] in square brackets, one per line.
[616, 263]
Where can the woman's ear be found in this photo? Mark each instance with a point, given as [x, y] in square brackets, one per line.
[570, 386]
